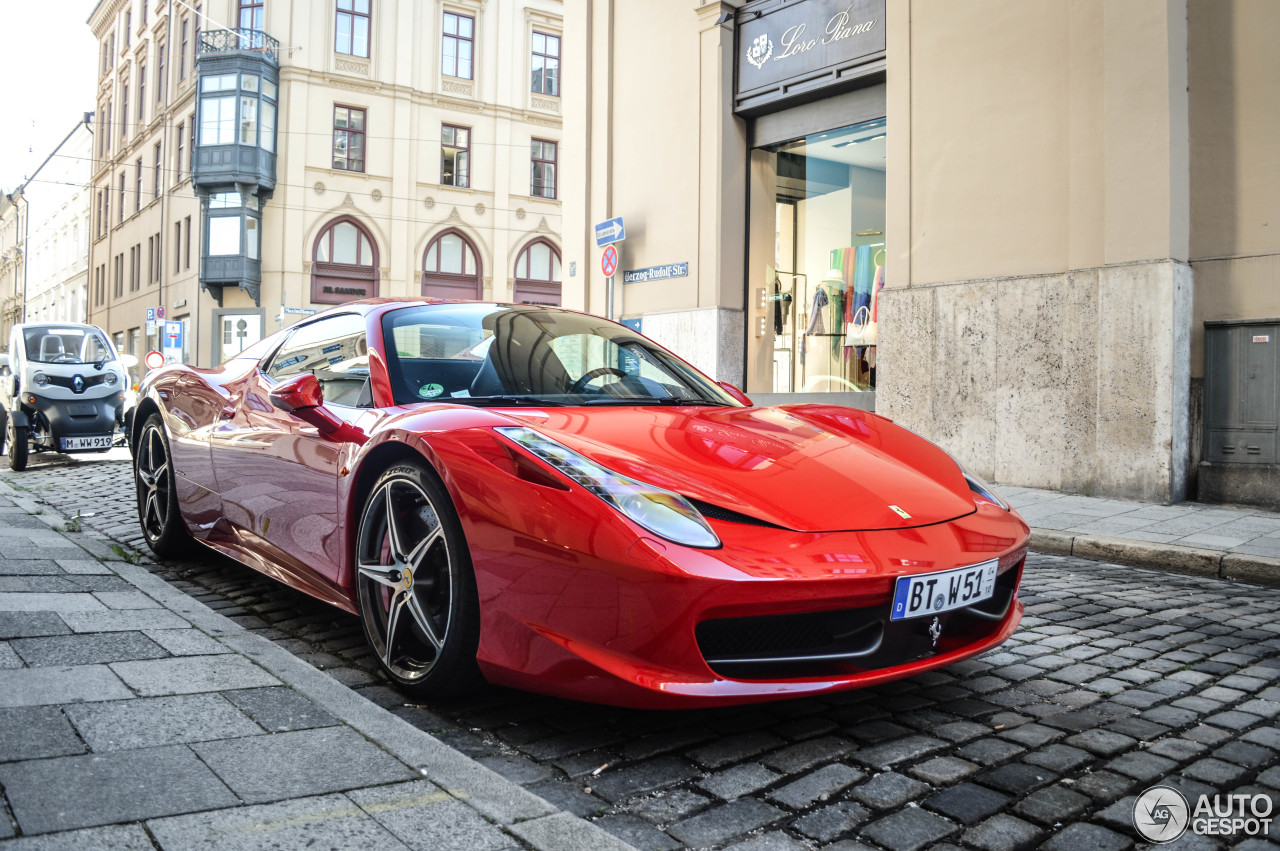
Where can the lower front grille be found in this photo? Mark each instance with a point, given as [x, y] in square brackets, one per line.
[844, 641]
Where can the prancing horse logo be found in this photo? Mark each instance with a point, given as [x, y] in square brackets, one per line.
[935, 631]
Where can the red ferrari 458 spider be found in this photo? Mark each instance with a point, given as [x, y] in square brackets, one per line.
[548, 500]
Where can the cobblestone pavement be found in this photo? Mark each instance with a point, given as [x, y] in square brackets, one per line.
[1120, 678]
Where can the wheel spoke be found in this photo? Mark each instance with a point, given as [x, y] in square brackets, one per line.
[153, 509]
[393, 529]
[415, 558]
[380, 573]
[424, 621]
[151, 451]
[393, 625]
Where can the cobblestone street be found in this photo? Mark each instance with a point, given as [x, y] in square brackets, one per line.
[1119, 678]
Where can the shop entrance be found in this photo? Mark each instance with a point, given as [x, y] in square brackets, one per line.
[814, 323]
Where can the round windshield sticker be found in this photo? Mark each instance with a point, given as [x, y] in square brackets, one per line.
[430, 391]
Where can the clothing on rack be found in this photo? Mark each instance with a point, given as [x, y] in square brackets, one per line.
[817, 325]
[777, 307]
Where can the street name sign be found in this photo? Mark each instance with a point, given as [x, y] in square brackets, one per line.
[656, 273]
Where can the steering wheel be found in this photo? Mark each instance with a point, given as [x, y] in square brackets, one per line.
[587, 378]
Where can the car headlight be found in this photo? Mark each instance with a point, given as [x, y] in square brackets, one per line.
[111, 378]
[982, 489]
[662, 512]
[40, 379]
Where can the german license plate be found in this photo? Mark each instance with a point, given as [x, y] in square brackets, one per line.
[99, 441]
[933, 593]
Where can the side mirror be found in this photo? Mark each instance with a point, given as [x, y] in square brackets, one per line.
[736, 393]
[129, 361]
[303, 397]
[298, 394]
[4, 361]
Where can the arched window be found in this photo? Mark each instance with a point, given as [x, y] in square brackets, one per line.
[451, 268]
[344, 263]
[538, 274]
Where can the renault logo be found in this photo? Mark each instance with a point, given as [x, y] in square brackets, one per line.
[77, 383]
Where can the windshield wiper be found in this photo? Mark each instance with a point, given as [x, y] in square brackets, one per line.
[650, 400]
[500, 401]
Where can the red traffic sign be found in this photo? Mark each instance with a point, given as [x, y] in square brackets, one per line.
[159, 313]
[609, 261]
[154, 359]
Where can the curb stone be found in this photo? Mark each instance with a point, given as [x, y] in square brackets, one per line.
[1190, 561]
[537, 822]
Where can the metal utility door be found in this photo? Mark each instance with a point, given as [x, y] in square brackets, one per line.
[1242, 392]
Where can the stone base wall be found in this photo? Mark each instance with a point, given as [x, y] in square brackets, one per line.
[710, 338]
[1076, 381]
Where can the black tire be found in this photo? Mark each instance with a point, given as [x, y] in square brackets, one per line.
[153, 477]
[416, 587]
[19, 440]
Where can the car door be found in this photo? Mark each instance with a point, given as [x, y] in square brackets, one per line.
[277, 476]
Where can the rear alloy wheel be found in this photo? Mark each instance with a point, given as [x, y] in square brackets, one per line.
[158, 514]
[19, 440]
[415, 585]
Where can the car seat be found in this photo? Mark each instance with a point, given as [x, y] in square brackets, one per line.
[51, 347]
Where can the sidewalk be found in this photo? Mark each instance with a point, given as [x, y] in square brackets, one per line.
[1241, 544]
[134, 717]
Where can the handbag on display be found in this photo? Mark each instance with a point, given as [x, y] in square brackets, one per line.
[862, 330]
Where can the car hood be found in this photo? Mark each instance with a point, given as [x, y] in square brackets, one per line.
[810, 468]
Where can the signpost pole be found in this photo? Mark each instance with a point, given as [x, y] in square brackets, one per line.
[608, 233]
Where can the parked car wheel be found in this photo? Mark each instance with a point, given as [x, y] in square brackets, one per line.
[19, 440]
[416, 588]
[162, 525]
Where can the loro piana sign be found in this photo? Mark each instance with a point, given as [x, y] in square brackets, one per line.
[790, 49]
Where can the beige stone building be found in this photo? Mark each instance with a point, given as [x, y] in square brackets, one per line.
[295, 154]
[1062, 217]
[44, 237]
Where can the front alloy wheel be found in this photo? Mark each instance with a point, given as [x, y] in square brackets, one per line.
[158, 514]
[415, 585]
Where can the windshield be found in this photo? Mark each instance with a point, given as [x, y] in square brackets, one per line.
[51, 344]
[497, 354]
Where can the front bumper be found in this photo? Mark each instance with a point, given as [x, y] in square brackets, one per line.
[602, 617]
[53, 419]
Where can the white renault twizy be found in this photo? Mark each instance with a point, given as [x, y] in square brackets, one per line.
[63, 390]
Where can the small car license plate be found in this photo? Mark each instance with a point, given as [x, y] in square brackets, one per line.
[101, 441]
[933, 593]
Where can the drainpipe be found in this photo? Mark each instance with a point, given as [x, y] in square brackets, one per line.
[90, 120]
[26, 251]
[166, 150]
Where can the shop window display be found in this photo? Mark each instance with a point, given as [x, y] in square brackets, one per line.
[814, 321]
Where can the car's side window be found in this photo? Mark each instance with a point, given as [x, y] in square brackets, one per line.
[336, 351]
